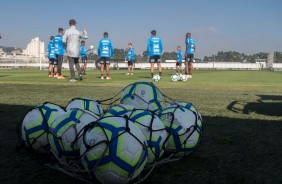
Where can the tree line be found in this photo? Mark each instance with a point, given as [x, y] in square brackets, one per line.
[221, 56]
[233, 56]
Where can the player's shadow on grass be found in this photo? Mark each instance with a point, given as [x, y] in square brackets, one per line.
[5, 75]
[270, 105]
[230, 149]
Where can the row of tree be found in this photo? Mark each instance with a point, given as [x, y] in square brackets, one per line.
[232, 56]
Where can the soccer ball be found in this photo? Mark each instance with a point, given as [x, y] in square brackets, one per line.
[184, 130]
[156, 77]
[113, 150]
[143, 95]
[91, 47]
[154, 131]
[86, 104]
[192, 108]
[174, 78]
[119, 110]
[183, 78]
[34, 128]
[66, 132]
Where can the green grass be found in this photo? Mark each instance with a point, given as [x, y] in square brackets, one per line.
[242, 113]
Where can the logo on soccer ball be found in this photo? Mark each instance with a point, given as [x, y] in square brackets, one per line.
[92, 142]
[143, 92]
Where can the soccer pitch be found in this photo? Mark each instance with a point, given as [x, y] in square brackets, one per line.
[242, 120]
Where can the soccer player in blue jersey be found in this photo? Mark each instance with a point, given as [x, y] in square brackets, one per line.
[130, 59]
[105, 52]
[189, 54]
[154, 52]
[59, 51]
[51, 56]
[179, 61]
[83, 54]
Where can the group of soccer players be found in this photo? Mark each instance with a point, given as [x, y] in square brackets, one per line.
[71, 44]
[55, 54]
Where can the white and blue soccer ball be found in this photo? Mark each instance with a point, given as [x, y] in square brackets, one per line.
[143, 95]
[183, 78]
[174, 78]
[66, 133]
[91, 47]
[191, 107]
[184, 129]
[156, 77]
[86, 104]
[118, 110]
[154, 131]
[113, 150]
[34, 128]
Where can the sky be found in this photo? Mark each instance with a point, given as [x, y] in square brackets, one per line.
[245, 26]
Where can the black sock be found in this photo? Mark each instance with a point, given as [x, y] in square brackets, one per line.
[152, 75]
[160, 73]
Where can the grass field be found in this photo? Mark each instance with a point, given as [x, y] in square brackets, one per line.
[242, 113]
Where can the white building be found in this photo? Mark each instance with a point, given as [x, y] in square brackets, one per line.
[2, 53]
[35, 48]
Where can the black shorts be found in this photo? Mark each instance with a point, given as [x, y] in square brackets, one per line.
[53, 62]
[154, 59]
[189, 58]
[104, 60]
[83, 59]
[178, 63]
[129, 62]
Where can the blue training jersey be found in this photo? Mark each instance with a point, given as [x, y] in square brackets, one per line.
[154, 46]
[105, 48]
[179, 56]
[130, 54]
[191, 44]
[51, 50]
[83, 51]
[59, 47]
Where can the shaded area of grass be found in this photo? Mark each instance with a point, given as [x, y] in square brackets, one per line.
[232, 151]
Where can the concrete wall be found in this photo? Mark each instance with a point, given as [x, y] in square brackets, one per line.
[215, 65]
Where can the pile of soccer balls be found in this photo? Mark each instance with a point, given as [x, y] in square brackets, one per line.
[115, 145]
[175, 78]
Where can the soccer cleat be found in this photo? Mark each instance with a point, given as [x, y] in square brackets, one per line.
[128, 73]
[72, 80]
[132, 74]
[50, 75]
[61, 77]
[108, 78]
[190, 76]
[80, 78]
[55, 75]
[102, 77]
